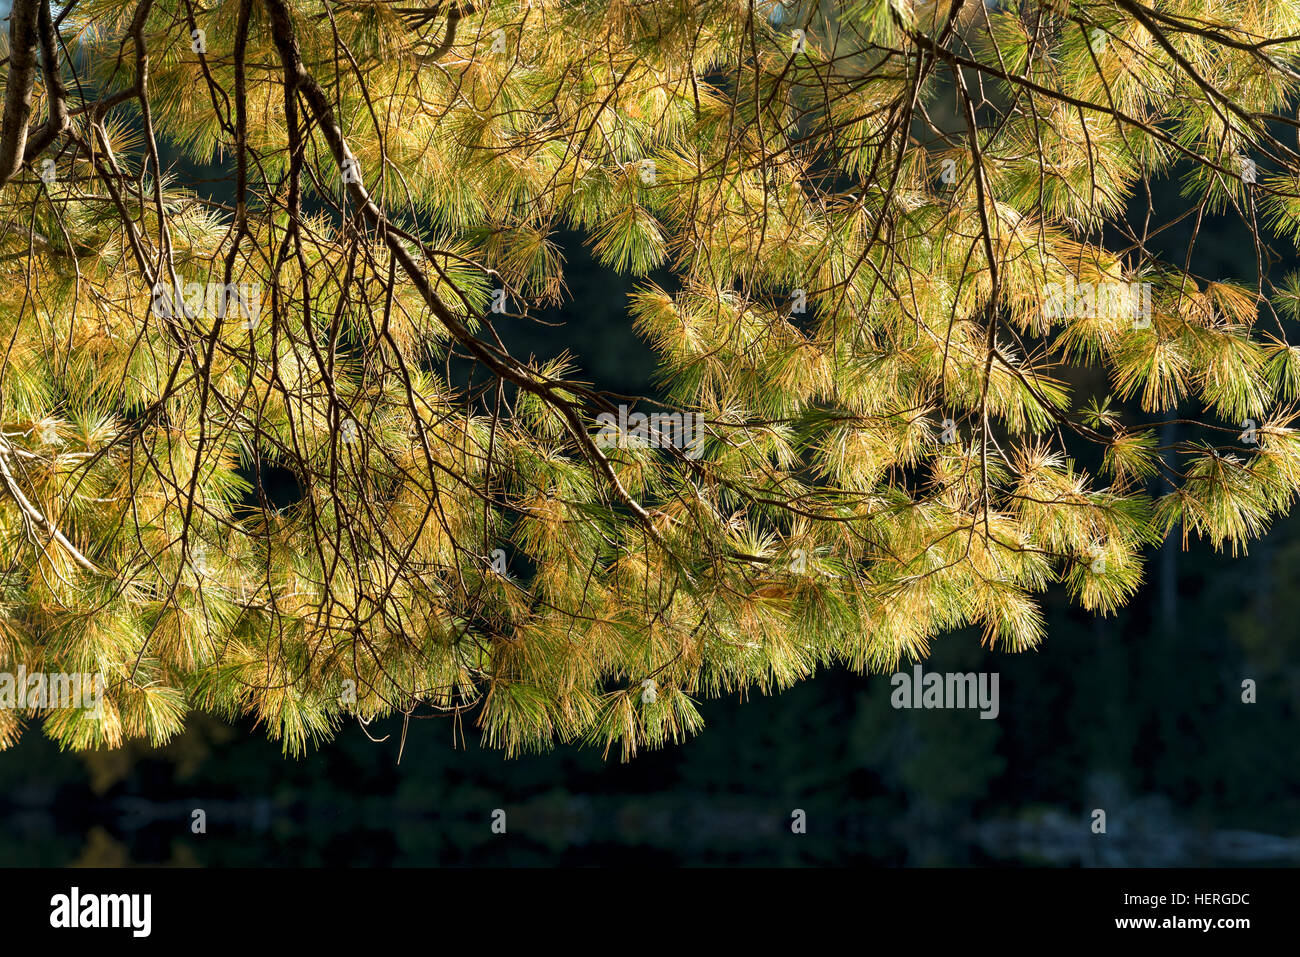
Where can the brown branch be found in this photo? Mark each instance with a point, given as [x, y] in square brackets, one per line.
[19, 85]
[58, 93]
[501, 364]
[34, 515]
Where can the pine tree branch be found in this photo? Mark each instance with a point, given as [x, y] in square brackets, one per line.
[23, 44]
[32, 513]
[57, 92]
[504, 365]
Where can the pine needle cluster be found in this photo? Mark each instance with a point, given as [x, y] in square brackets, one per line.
[869, 211]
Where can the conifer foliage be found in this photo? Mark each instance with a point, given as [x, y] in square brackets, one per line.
[910, 299]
